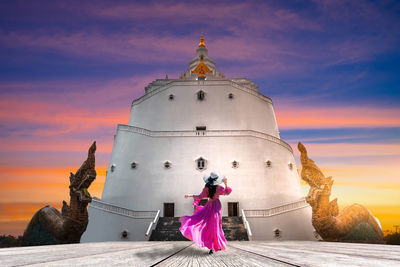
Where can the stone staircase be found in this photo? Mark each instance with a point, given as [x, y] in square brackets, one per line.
[233, 228]
[167, 229]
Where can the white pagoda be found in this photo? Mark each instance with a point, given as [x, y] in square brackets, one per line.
[182, 129]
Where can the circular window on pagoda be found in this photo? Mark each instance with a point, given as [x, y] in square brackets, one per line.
[269, 164]
[277, 233]
[290, 166]
[167, 164]
[124, 234]
[133, 165]
[235, 164]
[200, 95]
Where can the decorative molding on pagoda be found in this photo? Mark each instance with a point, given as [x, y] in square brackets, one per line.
[153, 90]
[207, 133]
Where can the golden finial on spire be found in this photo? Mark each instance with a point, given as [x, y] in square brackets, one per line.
[202, 43]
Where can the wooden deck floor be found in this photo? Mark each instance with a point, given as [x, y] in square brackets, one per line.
[254, 253]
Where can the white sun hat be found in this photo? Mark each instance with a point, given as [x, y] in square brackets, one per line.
[213, 178]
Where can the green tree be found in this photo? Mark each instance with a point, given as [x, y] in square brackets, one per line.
[393, 239]
[7, 241]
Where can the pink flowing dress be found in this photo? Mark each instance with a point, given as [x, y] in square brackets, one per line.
[204, 227]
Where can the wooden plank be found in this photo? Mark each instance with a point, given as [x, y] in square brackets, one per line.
[185, 253]
[91, 254]
[199, 257]
[146, 256]
[320, 253]
[353, 249]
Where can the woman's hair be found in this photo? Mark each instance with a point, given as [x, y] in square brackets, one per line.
[211, 190]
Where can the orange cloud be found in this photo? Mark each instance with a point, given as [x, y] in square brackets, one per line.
[15, 216]
[24, 171]
[347, 149]
[62, 119]
[14, 227]
[16, 211]
[383, 203]
[387, 215]
[300, 117]
[54, 143]
[38, 184]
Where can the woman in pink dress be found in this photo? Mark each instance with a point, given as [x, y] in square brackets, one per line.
[204, 227]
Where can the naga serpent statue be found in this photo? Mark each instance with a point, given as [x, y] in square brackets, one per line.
[353, 223]
[49, 226]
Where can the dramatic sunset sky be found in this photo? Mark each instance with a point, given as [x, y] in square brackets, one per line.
[69, 71]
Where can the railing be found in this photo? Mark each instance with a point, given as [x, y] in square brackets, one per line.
[153, 86]
[153, 222]
[247, 226]
[251, 91]
[207, 133]
[159, 88]
[254, 213]
[142, 214]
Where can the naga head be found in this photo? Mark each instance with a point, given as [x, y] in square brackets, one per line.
[320, 186]
[83, 178]
[303, 153]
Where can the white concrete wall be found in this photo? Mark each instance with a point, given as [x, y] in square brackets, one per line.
[107, 226]
[150, 185]
[294, 225]
[245, 111]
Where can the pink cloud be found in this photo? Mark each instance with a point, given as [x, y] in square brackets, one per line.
[253, 54]
[79, 92]
[134, 46]
[61, 107]
[216, 14]
[261, 56]
[62, 121]
[62, 118]
[55, 143]
[261, 44]
[65, 113]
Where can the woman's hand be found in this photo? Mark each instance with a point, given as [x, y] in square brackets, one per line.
[186, 196]
[225, 181]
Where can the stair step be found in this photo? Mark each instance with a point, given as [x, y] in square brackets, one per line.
[167, 229]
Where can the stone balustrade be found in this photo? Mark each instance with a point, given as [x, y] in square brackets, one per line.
[254, 213]
[142, 214]
[209, 133]
[150, 91]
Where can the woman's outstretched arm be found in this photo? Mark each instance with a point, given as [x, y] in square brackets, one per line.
[202, 195]
[227, 190]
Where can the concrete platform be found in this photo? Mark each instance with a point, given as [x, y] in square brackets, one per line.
[245, 253]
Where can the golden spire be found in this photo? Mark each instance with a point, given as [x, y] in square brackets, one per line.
[202, 43]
